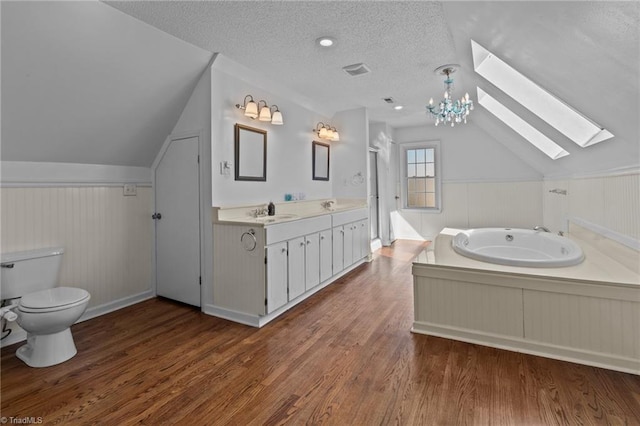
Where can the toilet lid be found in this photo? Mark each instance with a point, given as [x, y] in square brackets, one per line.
[53, 297]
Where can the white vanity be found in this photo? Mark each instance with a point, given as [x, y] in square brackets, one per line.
[264, 265]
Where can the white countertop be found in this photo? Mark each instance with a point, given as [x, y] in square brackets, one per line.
[285, 212]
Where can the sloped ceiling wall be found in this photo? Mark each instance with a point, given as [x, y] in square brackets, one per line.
[85, 83]
[585, 53]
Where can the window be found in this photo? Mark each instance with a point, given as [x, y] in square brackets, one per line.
[421, 180]
[555, 112]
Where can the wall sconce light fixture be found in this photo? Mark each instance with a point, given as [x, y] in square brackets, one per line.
[251, 109]
[325, 131]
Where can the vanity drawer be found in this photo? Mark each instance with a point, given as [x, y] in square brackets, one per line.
[285, 231]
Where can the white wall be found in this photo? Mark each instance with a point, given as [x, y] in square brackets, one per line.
[609, 202]
[349, 156]
[107, 237]
[288, 146]
[483, 184]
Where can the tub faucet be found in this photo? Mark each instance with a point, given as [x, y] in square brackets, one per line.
[540, 228]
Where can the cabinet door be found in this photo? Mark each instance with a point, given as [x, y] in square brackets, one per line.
[360, 239]
[276, 276]
[348, 244]
[365, 239]
[326, 260]
[296, 267]
[312, 261]
[338, 249]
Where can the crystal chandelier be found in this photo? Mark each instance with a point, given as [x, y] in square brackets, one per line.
[448, 110]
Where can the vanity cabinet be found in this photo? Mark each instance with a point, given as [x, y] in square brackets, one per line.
[350, 239]
[312, 261]
[326, 257]
[260, 270]
[277, 276]
[296, 267]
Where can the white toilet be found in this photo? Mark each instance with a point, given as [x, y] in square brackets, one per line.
[44, 311]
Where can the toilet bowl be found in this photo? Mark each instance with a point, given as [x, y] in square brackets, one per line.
[44, 311]
[47, 316]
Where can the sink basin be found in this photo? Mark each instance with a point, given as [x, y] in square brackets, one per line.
[276, 218]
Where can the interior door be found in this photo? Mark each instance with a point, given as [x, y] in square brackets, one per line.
[178, 222]
[374, 201]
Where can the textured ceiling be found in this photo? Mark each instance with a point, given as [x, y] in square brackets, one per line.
[402, 43]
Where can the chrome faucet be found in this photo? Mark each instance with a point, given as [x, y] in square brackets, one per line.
[260, 211]
[327, 204]
[540, 228]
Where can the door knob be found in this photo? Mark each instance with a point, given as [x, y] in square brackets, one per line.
[156, 216]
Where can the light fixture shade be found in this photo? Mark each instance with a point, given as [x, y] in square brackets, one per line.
[336, 136]
[251, 110]
[277, 118]
[323, 133]
[265, 114]
[329, 133]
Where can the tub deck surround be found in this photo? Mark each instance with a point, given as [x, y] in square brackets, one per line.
[285, 211]
[263, 266]
[587, 313]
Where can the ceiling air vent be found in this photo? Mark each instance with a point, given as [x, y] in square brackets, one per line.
[356, 69]
[388, 100]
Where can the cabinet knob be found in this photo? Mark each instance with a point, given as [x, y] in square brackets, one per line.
[302, 244]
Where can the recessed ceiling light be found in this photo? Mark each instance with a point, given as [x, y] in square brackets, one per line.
[326, 41]
[397, 107]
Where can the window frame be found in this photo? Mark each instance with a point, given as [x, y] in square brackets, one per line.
[431, 144]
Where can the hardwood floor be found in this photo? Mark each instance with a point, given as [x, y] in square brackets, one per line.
[344, 357]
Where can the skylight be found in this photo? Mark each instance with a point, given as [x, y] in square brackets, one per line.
[565, 119]
[540, 141]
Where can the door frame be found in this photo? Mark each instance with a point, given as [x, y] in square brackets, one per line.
[205, 214]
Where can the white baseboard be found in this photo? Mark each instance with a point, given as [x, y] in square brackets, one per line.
[563, 353]
[258, 321]
[106, 308]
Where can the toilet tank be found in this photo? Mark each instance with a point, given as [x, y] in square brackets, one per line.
[24, 272]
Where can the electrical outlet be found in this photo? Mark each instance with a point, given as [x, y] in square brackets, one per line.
[130, 189]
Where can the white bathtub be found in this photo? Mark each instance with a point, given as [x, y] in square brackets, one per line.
[518, 247]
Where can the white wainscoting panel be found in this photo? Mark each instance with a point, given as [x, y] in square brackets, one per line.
[475, 205]
[465, 305]
[107, 237]
[590, 323]
[610, 202]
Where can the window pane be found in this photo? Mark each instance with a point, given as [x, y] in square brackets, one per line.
[421, 170]
[430, 170]
[420, 156]
[429, 155]
[430, 185]
[411, 202]
[411, 156]
[420, 185]
[430, 200]
[421, 200]
[411, 185]
[411, 170]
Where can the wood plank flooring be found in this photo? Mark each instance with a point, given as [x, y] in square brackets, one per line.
[344, 357]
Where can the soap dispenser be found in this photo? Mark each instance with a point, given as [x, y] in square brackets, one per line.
[271, 209]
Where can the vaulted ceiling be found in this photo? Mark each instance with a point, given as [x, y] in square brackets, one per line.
[86, 70]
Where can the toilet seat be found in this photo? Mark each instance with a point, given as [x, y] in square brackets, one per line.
[53, 299]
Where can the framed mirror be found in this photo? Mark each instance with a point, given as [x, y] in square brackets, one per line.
[250, 153]
[320, 161]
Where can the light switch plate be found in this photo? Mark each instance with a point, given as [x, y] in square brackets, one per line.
[130, 189]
